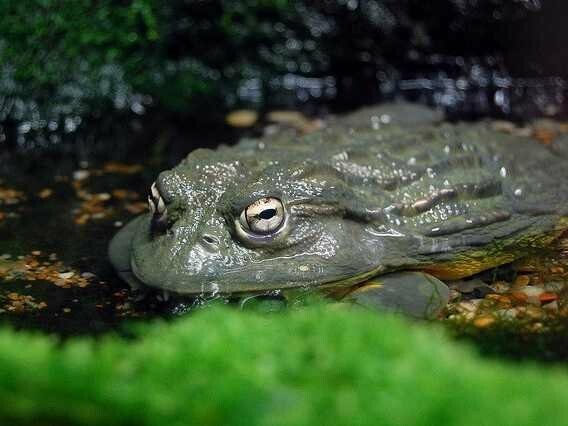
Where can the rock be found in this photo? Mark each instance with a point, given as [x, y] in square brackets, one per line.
[484, 321]
[242, 118]
[547, 297]
[474, 288]
[81, 174]
[521, 281]
[66, 275]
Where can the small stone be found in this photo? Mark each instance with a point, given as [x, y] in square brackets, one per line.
[104, 196]
[551, 307]
[467, 306]
[532, 291]
[519, 297]
[534, 312]
[501, 287]
[503, 126]
[508, 314]
[242, 118]
[502, 300]
[66, 275]
[118, 224]
[45, 193]
[81, 174]
[66, 310]
[522, 281]
[547, 297]
[88, 275]
[484, 321]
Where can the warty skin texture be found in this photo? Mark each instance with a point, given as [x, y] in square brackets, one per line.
[384, 189]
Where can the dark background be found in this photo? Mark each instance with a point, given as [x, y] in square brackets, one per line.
[85, 71]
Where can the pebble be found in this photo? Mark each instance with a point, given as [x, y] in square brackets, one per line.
[66, 310]
[484, 321]
[551, 307]
[81, 174]
[533, 294]
[555, 286]
[88, 275]
[547, 297]
[66, 275]
[45, 193]
[522, 281]
[501, 287]
[242, 118]
[469, 305]
[118, 224]
[534, 312]
[508, 313]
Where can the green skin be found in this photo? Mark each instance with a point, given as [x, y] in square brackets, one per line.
[384, 189]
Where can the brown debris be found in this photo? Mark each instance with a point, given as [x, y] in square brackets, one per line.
[531, 301]
[121, 168]
[95, 206]
[45, 193]
[32, 268]
[18, 303]
[10, 196]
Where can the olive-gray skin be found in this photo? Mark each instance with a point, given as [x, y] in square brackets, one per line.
[385, 189]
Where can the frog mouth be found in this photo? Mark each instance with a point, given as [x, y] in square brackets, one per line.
[120, 255]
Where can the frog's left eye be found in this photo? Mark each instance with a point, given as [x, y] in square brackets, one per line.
[264, 216]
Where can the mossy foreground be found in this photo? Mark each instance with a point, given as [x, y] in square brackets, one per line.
[314, 366]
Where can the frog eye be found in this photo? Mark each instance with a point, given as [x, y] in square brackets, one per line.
[264, 216]
[157, 208]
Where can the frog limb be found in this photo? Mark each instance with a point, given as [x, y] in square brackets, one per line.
[416, 294]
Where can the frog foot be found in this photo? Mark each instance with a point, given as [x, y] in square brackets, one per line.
[416, 294]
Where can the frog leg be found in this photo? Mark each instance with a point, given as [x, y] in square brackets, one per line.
[415, 294]
[119, 254]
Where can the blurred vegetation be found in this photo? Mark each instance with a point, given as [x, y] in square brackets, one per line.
[226, 367]
[69, 59]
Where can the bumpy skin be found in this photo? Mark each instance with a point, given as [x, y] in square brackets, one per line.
[381, 190]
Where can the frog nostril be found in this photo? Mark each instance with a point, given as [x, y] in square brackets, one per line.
[211, 240]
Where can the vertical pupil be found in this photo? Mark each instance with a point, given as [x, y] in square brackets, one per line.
[267, 214]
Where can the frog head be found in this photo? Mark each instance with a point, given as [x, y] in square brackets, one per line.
[246, 219]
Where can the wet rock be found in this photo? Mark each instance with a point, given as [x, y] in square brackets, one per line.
[80, 175]
[475, 288]
[242, 118]
[484, 321]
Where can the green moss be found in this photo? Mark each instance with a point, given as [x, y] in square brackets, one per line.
[315, 366]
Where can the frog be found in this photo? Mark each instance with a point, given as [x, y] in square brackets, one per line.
[380, 208]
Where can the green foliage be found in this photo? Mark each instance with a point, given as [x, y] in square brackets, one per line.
[47, 39]
[72, 55]
[314, 366]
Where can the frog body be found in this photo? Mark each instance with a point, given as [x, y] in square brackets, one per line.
[383, 190]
